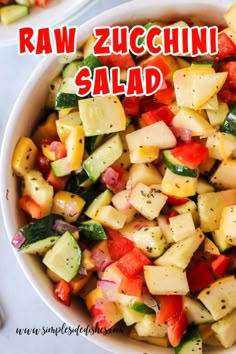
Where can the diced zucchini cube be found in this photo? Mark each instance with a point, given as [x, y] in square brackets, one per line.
[147, 327]
[180, 186]
[180, 253]
[102, 115]
[148, 201]
[39, 190]
[144, 173]
[181, 226]
[68, 204]
[150, 240]
[228, 224]
[144, 154]
[225, 330]
[210, 207]
[24, 156]
[165, 280]
[110, 217]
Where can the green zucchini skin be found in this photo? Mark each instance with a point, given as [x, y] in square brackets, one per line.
[229, 125]
[92, 230]
[68, 99]
[176, 166]
[142, 308]
[39, 229]
[191, 342]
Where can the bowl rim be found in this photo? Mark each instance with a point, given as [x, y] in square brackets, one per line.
[83, 30]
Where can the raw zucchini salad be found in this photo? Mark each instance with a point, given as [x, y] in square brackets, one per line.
[13, 10]
[131, 201]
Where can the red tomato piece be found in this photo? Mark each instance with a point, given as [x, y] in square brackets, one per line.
[166, 95]
[99, 318]
[148, 103]
[177, 326]
[226, 47]
[132, 263]
[43, 164]
[156, 115]
[62, 292]
[191, 154]
[60, 150]
[199, 277]
[170, 305]
[118, 246]
[221, 264]
[131, 286]
[159, 62]
[131, 105]
[227, 95]
[41, 3]
[27, 204]
[173, 200]
[122, 61]
[230, 67]
[58, 183]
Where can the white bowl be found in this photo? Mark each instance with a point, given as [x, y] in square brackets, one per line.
[58, 11]
[28, 109]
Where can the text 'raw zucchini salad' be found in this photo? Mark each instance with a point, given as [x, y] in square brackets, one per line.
[131, 201]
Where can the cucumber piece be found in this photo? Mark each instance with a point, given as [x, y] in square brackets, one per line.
[39, 229]
[229, 125]
[176, 166]
[39, 247]
[92, 230]
[142, 308]
[104, 156]
[13, 13]
[190, 343]
[71, 69]
[64, 258]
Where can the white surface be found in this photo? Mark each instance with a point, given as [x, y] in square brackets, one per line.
[20, 306]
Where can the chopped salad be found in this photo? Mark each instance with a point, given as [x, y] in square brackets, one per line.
[131, 201]
[13, 10]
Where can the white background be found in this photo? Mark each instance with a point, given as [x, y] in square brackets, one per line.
[20, 306]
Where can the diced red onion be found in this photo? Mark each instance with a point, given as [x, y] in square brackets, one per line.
[83, 270]
[105, 264]
[109, 176]
[113, 180]
[109, 289]
[182, 134]
[18, 240]
[100, 259]
[54, 145]
[140, 225]
[71, 208]
[62, 226]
